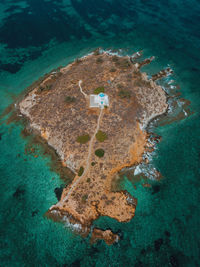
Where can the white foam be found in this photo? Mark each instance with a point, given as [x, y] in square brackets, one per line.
[137, 170]
[185, 112]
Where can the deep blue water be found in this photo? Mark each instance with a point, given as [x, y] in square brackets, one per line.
[39, 35]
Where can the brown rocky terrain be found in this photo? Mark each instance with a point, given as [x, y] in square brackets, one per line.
[60, 113]
[108, 236]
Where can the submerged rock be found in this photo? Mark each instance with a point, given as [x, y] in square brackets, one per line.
[108, 236]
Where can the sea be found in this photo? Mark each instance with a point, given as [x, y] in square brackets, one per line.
[37, 36]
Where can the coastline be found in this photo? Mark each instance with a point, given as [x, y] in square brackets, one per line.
[68, 217]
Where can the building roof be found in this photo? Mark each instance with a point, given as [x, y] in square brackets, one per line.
[99, 101]
[101, 94]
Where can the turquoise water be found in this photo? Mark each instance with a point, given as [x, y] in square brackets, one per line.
[37, 36]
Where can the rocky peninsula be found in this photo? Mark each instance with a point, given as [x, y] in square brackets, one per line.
[95, 143]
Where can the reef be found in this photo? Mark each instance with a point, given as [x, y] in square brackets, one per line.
[60, 113]
[108, 236]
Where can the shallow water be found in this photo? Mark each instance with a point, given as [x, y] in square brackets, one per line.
[37, 36]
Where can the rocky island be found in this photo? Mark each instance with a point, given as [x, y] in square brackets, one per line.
[93, 113]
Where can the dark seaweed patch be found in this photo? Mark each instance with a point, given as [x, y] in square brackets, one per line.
[174, 261]
[158, 243]
[33, 27]
[155, 189]
[76, 263]
[58, 191]
[139, 264]
[93, 251]
[34, 212]
[30, 26]
[19, 192]
[167, 233]
[12, 68]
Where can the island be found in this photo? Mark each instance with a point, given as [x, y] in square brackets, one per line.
[94, 113]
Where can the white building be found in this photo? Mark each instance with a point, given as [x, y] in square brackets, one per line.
[99, 101]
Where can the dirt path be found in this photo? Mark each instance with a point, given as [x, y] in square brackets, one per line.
[90, 151]
[91, 143]
[85, 95]
[87, 168]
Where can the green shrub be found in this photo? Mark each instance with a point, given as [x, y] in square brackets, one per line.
[124, 94]
[99, 60]
[83, 139]
[112, 70]
[115, 58]
[88, 180]
[81, 170]
[40, 89]
[93, 163]
[99, 90]
[99, 152]
[119, 86]
[124, 63]
[48, 87]
[101, 136]
[84, 197]
[70, 99]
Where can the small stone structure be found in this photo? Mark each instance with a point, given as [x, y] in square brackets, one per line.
[99, 101]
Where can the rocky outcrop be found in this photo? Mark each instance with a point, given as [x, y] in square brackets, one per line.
[161, 74]
[108, 236]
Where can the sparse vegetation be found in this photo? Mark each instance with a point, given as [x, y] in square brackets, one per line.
[78, 60]
[119, 86]
[99, 90]
[99, 60]
[129, 76]
[124, 63]
[115, 58]
[124, 94]
[88, 180]
[45, 88]
[70, 99]
[84, 197]
[97, 52]
[81, 170]
[101, 136]
[112, 70]
[99, 152]
[93, 163]
[140, 83]
[41, 88]
[83, 139]
[48, 87]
